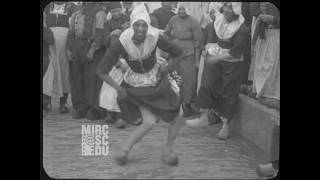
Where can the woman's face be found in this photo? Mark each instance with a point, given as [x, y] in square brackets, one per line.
[228, 12]
[140, 29]
[182, 12]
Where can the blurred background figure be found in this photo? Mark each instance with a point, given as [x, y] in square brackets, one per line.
[48, 40]
[185, 31]
[56, 79]
[85, 49]
[265, 66]
[163, 14]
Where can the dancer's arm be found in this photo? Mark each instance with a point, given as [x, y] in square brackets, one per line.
[106, 64]
[176, 53]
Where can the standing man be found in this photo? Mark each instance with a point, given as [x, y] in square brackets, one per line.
[85, 49]
[185, 31]
[114, 26]
[163, 14]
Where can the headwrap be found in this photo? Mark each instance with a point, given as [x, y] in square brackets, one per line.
[216, 6]
[139, 13]
[115, 5]
[224, 29]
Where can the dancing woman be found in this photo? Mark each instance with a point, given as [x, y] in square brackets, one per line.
[146, 86]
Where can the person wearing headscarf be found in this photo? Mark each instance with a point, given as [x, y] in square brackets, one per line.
[224, 70]
[56, 79]
[265, 66]
[195, 9]
[147, 85]
[185, 31]
[85, 49]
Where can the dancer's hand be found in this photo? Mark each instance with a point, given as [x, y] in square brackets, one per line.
[122, 92]
[123, 68]
[163, 70]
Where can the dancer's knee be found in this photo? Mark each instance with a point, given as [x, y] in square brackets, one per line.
[149, 122]
[179, 118]
[148, 118]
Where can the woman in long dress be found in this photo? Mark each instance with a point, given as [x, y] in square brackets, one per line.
[185, 31]
[47, 41]
[266, 59]
[56, 79]
[224, 69]
[146, 86]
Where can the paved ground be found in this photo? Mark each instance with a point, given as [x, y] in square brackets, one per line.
[201, 154]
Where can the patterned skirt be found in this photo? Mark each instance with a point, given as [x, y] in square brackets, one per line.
[158, 95]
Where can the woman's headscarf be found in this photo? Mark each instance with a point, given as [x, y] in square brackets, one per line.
[139, 13]
[215, 6]
[225, 30]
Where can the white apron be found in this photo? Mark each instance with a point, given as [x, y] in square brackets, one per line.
[266, 80]
[56, 78]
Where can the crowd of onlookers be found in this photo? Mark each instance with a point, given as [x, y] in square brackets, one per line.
[232, 48]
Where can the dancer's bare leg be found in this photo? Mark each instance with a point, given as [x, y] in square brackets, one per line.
[169, 157]
[149, 121]
[173, 130]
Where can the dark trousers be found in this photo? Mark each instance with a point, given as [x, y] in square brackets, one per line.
[247, 64]
[188, 72]
[275, 146]
[85, 84]
[220, 86]
[63, 99]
